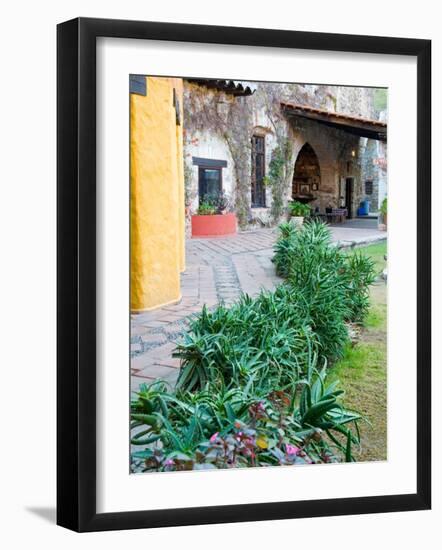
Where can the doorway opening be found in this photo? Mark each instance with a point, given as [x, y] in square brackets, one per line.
[349, 196]
[306, 176]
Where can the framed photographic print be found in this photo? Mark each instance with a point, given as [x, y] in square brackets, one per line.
[304, 189]
[226, 348]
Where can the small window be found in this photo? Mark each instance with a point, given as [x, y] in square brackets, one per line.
[209, 182]
[210, 176]
[369, 187]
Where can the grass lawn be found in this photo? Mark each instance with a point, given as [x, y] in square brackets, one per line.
[363, 369]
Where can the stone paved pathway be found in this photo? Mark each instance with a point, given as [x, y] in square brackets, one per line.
[216, 270]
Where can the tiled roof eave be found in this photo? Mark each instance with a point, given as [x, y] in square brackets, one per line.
[375, 129]
[234, 87]
[331, 114]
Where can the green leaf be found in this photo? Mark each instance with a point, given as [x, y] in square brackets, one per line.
[149, 419]
[146, 453]
[318, 410]
[146, 440]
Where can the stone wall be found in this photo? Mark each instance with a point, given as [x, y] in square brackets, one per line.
[369, 153]
[220, 126]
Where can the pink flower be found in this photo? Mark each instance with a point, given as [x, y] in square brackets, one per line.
[169, 462]
[214, 437]
[291, 449]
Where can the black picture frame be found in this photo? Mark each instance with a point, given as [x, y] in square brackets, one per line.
[76, 273]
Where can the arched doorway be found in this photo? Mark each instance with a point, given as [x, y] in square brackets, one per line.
[306, 176]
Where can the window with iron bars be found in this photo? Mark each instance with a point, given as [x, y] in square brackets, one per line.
[258, 172]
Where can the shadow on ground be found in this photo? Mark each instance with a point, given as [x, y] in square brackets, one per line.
[47, 513]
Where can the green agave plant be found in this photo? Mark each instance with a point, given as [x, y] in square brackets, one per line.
[269, 334]
[334, 284]
[359, 274]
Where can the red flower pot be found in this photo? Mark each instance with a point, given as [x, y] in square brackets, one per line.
[216, 225]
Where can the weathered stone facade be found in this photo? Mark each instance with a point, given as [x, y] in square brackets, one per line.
[373, 156]
[218, 131]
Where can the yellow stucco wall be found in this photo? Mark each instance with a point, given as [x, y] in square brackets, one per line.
[157, 195]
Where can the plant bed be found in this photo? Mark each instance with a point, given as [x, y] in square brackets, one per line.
[254, 387]
[214, 225]
[213, 218]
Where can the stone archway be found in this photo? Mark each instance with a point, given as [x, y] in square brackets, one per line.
[306, 175]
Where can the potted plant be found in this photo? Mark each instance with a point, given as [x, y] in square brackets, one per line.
[213, 218]
[298, 211]
[382, 225]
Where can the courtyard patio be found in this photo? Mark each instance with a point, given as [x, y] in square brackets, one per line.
[217, 270]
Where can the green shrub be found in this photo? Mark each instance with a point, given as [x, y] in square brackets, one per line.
[359, 274]
[297, 208]
[334, 284]
[284, 248]
[297, 242]
[214, 203]
[245, 426]
[314, 268]
[206, 208]
[268, 337]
